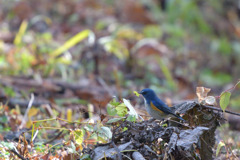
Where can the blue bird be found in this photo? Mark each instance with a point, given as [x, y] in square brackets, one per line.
[155, 106]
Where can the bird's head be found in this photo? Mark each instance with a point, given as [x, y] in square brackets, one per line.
[148, 93]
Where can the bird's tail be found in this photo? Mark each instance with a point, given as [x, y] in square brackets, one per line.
[179, 117]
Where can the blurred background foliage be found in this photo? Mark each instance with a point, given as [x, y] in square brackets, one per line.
[74, 55]
[171, 46]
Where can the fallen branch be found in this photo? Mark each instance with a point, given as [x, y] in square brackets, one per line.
[16, 153]
[219, 109]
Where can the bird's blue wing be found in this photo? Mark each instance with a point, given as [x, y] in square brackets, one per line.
[159, 104]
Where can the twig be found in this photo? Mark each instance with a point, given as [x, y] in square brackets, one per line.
[51, 140]
[16, 153]
[230, 88]
[219, 109]
[26, 113]
[228, 147]
[180, 123]
[35, 135]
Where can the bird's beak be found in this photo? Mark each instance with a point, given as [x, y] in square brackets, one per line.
[140, 92]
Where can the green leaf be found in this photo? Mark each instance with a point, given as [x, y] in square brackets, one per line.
[93, 136]
[136, 93]
[78, 135]
[72, 149]
[224, 100]
[72, 42]
[114, 102]
[105, 131]
[131, 118]
[113, 120]
[121, 110]
[132, 111]
[220, 145]
[21, 31]
[111, 110]
[88, 128]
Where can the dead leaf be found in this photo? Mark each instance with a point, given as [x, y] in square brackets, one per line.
[32, 112]
[134, 12]
[210, 100]
[202, 93]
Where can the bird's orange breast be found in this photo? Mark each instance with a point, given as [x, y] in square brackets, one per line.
[155, 108]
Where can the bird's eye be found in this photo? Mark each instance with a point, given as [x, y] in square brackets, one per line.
[143, 92]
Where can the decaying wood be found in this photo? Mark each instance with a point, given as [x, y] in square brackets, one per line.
[176, 141]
